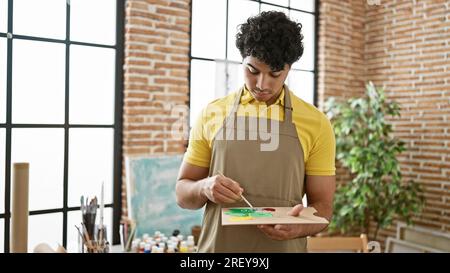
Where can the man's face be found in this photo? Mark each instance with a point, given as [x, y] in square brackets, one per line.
[263, 83]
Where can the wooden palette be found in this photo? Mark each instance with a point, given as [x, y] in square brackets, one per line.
[269, 216]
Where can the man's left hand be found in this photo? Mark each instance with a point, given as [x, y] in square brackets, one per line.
[284, 232]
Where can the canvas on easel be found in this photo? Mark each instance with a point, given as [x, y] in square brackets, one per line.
[269, 216]
[151, 196]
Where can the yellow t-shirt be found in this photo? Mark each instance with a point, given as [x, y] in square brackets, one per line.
[313, 128]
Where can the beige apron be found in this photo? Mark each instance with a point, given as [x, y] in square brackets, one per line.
[269, 179]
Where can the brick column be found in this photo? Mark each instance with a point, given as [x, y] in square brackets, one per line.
[157, 44]
[341, 70]
[341, 49]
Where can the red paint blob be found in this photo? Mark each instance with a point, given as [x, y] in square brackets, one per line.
[269, 209]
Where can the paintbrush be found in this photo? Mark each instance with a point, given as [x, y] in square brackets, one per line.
[102, 206]
[242, 196]
[248, 203]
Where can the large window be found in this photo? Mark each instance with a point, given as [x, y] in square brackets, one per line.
[216, 65]
[60, 110]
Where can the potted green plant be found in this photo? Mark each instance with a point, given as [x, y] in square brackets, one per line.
[365, 145]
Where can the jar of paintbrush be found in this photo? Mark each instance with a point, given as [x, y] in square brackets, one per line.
[92, 236]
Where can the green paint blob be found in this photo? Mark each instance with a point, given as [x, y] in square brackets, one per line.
[247, 212]
[260, 214]
[241, 210]
[236, 214]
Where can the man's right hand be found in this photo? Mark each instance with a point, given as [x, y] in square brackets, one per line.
[221, 189]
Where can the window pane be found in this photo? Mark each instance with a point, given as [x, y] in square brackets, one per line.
[93, 21]
[91, 85]
[235, 77]
[90, 163]
[3, 18]
[44, 150]
[3, 52]
[45, 228]
[278, 2]
[265, 7]
[302, 84]
[208, 29]
[2, 169]
[43, 18]
[203, 81]
[306, 62]
[306, 5]
[38, 82]
[74, 218]
[239, 11]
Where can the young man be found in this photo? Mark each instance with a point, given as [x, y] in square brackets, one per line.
[225, 160]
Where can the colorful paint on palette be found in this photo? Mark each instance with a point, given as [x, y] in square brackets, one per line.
[237, 214]
[260, 214]
[240, 218]
[236, 210]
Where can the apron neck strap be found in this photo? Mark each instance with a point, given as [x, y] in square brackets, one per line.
[237, 100]
[287, 104]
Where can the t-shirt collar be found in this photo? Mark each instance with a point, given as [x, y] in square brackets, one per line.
[248, 98]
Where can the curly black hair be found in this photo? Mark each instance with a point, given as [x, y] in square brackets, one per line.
[272, 38]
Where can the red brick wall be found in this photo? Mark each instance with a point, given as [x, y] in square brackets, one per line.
[406, 49]
[407, 52]
[341, 49]
[156, 68]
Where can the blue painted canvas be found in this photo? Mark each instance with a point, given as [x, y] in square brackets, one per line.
[151, 196]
